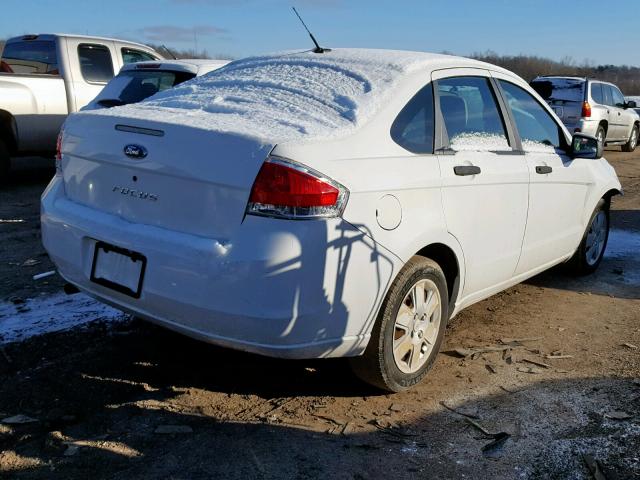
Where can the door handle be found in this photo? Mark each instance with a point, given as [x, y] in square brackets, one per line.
[463, 170]
[542, 169]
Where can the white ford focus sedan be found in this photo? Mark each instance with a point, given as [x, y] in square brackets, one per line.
[338, 204]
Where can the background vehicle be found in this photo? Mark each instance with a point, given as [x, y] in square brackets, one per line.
[343, 204]
[636, 100]
[45, 77]
[138, 81]
[592, 107]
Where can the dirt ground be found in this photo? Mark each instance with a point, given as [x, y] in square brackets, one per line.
[129, 400]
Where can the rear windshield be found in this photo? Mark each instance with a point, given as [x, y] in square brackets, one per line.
[30, 57]
[560, 89]
[133, 86]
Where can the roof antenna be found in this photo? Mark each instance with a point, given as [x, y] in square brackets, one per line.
[318, 48]
[173, 55]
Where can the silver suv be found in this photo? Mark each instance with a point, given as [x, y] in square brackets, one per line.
[592, 107]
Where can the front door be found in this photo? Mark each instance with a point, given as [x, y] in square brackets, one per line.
[558, 184]
[484, 180]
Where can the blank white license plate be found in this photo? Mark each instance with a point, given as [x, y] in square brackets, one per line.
[118, 269]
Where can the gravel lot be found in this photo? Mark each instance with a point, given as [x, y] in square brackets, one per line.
[114, 398]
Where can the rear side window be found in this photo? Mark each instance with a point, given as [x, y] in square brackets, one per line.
[129, 55]
[133, 86]
[538, 130]
[608, 96]
[596, 93]
[34, 57]
[471, 115]
[95, 63]
[413, 129]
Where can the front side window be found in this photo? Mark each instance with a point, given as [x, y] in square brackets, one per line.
[413, 129]
[596, 93]
[95, 63]
[129, 55]
[471, 115]
[33, 57]
[538, 130]
[618, 98]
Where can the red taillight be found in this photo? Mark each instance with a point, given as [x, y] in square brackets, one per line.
[586, 109]
[59, 152]
[287, 189]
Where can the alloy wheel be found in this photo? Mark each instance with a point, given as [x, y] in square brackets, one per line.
[416, 326]
[596, 238]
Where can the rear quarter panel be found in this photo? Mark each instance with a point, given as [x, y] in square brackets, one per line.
[371, 165]
[38, 103]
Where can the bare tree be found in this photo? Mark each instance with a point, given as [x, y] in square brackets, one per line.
[188, 53]
[530, 66]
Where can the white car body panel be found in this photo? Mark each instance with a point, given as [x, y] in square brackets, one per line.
[313, 288]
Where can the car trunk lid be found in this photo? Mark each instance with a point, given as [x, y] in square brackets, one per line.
[176, 177]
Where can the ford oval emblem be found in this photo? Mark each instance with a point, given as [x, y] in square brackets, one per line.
[135, 151]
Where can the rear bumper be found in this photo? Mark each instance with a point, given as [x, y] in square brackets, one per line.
[296, 289]
[586, 126]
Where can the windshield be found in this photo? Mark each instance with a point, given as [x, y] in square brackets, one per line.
[560, 89]
[133, 86]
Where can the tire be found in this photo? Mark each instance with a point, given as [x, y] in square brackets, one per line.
[601, 134]
[417, 338]
[586, 260]
[632, 143]
[5, 162]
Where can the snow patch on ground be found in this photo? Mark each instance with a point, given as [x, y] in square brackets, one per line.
[51, 314]
[284, 97]
[625, 245]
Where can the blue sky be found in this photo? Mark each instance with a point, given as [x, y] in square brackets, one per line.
[550, 28]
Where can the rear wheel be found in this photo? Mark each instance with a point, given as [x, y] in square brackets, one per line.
[601, 134]
[409, 329]
[5, 162]
[591, 249]
[631, 145]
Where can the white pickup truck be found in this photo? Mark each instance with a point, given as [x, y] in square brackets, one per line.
[43, 78]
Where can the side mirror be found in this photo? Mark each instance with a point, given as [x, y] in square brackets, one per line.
[631, 104]
[586, 146]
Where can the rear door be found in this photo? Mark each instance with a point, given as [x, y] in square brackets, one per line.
[93, 66]
[626, 117]
[614, 133]
[484, 180]
[558, 184]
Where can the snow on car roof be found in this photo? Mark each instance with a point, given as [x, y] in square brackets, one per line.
[288, 96]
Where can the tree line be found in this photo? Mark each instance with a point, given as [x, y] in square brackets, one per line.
[529, 67]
